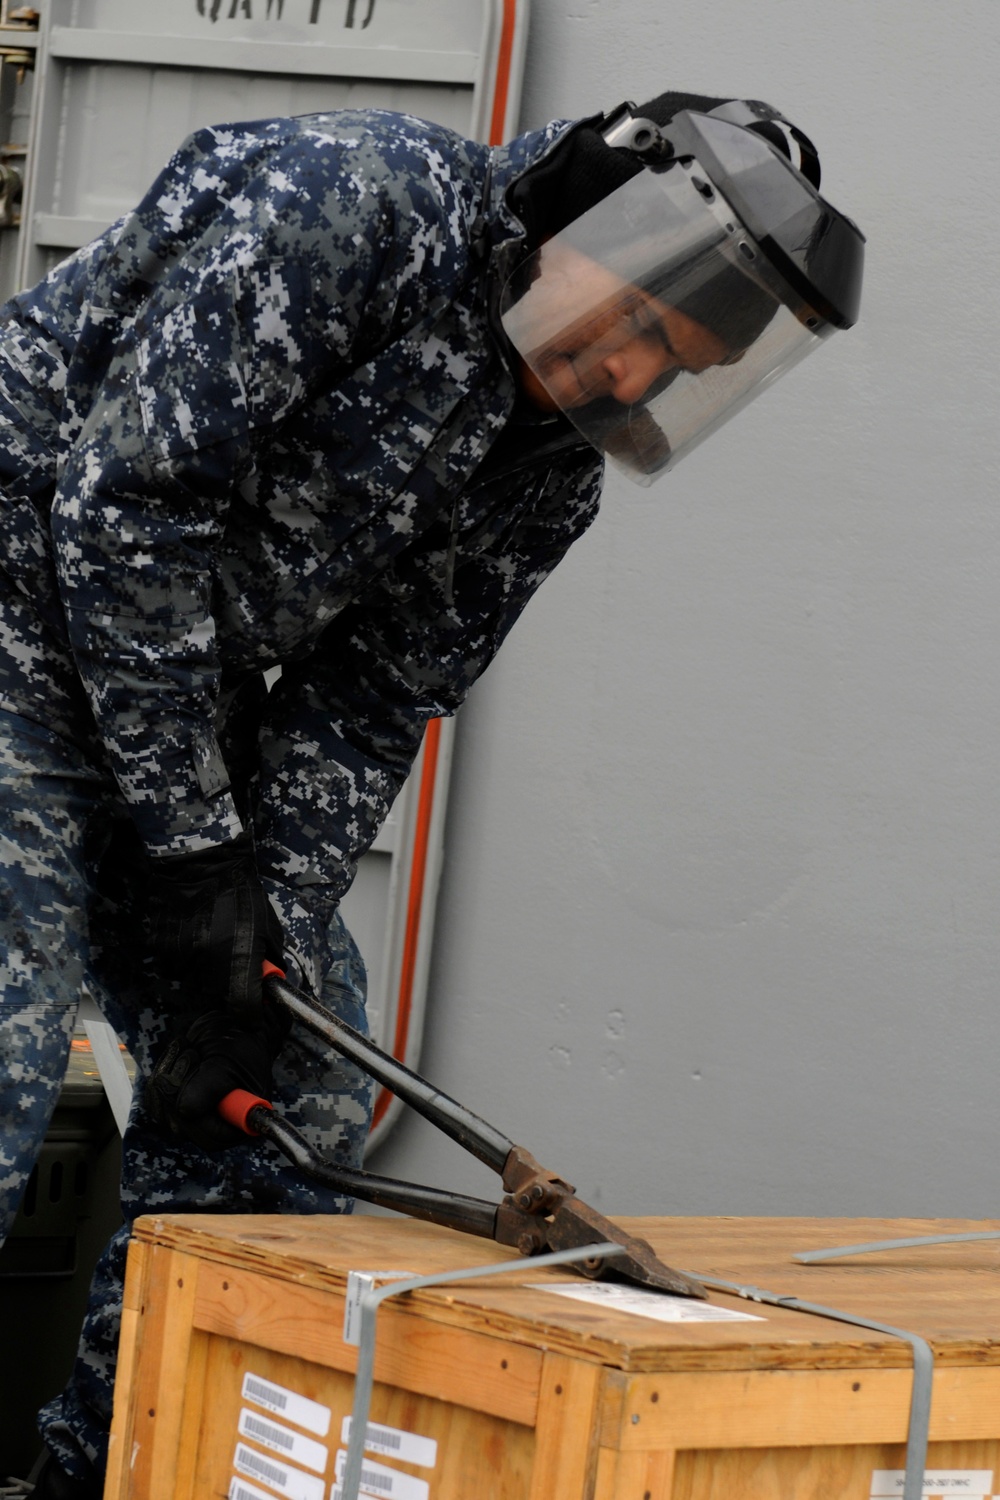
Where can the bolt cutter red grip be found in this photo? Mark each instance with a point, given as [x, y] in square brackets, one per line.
[540, 1211]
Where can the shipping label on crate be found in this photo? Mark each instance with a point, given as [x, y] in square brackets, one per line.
[292, 1445]
[293, 1483]
[242, 1489]
[285, 1403]
[408, 1446]
[939, 1484]
[378, 1479]
[659, 1305]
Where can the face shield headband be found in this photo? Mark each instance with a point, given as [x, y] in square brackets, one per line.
[655, 316]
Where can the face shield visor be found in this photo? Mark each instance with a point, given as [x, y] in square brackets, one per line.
[655, 316]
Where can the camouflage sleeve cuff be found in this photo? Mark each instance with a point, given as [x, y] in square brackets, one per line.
[186, 828]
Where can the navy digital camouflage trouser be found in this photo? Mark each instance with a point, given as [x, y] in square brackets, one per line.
[65, 921]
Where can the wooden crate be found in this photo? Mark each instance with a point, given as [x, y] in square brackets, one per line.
[531, 1395]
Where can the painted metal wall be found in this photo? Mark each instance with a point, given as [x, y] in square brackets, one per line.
[720, 919]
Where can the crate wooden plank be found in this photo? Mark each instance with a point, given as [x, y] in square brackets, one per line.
[475, 1453]
[813, 1474]
[186, 1481]
[148, 1446]
[948, 1294]
[566, 1448]
[729, 1409]
[419, 1355]
[634, 1476]
[748, 1409]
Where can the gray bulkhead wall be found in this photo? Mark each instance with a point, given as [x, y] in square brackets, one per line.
[719, 927]
[718, 923]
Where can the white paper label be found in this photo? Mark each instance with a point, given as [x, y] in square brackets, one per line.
[359, 1282]
[975, 1484]
[291, 1445]
[659, 1305]
[285, 1403]
[377, 1479]
[281, 1477]
[408, 1446]
[242, 1489]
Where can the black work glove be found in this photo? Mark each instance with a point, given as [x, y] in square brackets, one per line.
[209, 928]
[197, 1071]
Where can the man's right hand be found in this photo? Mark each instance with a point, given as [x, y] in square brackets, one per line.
[209, 928]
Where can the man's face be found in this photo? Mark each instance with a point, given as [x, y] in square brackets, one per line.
[624, 341]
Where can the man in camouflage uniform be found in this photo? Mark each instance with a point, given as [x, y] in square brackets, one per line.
[267, 420]
[242, 430]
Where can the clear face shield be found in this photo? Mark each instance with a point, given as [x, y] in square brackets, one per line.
[653, 318]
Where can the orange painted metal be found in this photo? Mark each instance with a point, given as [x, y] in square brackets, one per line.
[432, 736]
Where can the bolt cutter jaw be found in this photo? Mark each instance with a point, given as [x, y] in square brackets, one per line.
[541, 1213]
[575, 1224]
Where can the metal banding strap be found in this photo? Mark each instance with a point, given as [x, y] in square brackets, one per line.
[370, 1301]
[915, 1460]
[923, 1357]
[812, 1257]
[923, 1369]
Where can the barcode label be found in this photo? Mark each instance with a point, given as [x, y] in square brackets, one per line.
[409, 1446]
[292, 1483]
[285, 1403]
[384, 1483]
[265, 1433]
[257, 1390]
[241, 1489]
[295, 1445]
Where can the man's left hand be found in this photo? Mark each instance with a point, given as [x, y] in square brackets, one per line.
[216, 1055]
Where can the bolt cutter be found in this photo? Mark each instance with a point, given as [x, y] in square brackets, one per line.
[540, 1211]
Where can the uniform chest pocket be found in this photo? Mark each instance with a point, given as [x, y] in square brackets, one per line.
[227, 357]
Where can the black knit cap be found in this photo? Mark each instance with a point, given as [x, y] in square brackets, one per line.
[584, 169]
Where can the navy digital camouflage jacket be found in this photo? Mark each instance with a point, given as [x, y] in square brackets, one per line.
[241, 430]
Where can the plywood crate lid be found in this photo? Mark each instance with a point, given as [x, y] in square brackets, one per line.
[948, 1294]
